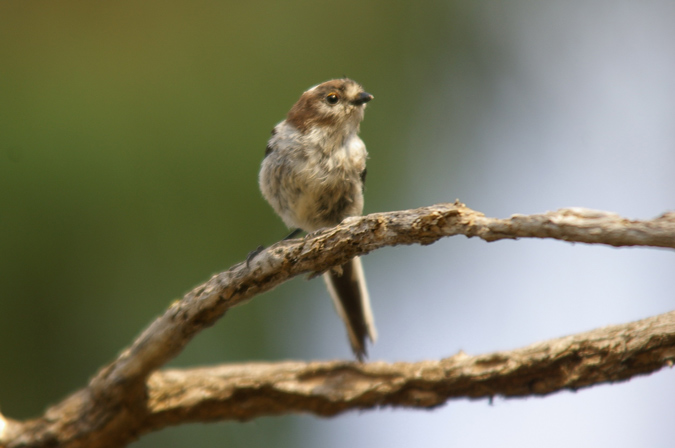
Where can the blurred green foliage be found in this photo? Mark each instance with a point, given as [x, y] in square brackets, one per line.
[130, 140]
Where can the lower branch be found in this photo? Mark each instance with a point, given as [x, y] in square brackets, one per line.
[242, 392]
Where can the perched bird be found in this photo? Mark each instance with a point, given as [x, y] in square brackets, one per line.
[313, 175]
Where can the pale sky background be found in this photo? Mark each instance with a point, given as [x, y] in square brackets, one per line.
[582, 114]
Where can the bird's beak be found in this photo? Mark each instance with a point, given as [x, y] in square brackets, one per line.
[362, 98]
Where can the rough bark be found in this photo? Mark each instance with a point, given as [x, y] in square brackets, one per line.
[129, 397]
[246, 391]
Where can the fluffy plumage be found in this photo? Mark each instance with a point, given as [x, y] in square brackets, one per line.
[313, 174]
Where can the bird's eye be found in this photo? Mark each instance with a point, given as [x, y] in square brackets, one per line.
[332, 98]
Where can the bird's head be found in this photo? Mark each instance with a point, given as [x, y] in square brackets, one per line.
[338, 104]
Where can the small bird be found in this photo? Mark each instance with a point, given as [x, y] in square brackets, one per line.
[313, 175]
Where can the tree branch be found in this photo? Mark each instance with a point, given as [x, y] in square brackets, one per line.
[123, 401]
[243, 392]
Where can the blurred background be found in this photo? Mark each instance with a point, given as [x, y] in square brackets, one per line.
[130, 141]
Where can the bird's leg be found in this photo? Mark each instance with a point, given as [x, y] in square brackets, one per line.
[293, 234]
[251, 255]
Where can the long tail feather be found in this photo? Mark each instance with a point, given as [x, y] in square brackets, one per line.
[352, 302]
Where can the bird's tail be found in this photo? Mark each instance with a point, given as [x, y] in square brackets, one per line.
[350, 296]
